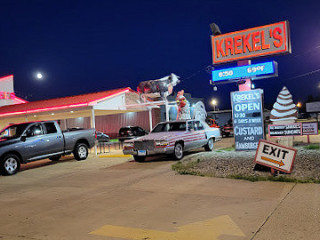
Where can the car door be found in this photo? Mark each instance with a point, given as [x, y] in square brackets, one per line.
[189, 142]
[54, 142]
[198, 135]
[34, 146]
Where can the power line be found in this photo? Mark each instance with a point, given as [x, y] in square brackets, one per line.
[293, 56]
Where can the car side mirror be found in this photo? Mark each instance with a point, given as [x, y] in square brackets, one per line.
[23, 138]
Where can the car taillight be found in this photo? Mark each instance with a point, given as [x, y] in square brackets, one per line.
[95, 135]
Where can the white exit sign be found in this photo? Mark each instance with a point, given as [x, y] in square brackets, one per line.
[275, 156]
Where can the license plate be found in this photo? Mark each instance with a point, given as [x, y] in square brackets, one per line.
[142, 152]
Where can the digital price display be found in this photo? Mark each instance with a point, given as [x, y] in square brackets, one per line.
[261, 70]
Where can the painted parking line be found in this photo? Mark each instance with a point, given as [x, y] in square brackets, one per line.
[210, 229]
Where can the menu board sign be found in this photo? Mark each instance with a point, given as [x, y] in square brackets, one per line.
[247, 114]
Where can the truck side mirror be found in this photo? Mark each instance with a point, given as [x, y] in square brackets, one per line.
[23, 138]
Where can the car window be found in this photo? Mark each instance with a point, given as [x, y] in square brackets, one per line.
[162, 127]
[190, 125]
[177, 126]
[50, 127]
[200, 126]
[34, 130]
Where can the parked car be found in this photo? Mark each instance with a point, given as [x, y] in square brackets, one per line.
[131, 132]
[25, 142]
[227, 129]
[102, 137]
[173, 137]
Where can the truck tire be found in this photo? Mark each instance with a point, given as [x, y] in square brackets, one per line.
[178, 151]
[139, 158]
[9, 164]
[55, 158]
[209, 145]
[81, 151]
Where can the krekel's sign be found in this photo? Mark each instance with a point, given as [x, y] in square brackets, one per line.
[251, 43]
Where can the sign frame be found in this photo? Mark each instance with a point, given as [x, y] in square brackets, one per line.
[273, 167]
[284, 125]
[262, 53]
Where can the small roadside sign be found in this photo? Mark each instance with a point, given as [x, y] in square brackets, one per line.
[310, 128]
[285, 130]
[275, 156]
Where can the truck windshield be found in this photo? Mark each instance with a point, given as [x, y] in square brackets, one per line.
[13, 131]
[170, 127]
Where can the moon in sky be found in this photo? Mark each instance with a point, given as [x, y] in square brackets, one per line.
[39, 75]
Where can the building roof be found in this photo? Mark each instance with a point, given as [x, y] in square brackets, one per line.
[77, 101]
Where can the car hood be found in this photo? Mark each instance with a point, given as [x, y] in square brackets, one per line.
[6, 141]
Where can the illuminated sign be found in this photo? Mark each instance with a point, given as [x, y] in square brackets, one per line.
[7, 95]
[254, 71]
[251, 43]
[247, 116]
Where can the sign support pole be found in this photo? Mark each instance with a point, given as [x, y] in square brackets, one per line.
[167, 109]
[246, 86]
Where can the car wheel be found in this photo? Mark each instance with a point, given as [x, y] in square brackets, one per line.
[55, 158]
[81, 151]
[139, 158]
[178, 151]
[209, 145]
[9, 164]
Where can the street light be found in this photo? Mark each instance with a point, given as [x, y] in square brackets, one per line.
[214, 103]
[299, 105]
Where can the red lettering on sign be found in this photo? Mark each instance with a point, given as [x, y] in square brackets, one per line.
[246, 44]
[255, 41]
[219, 48]
[229, 46]
[277, 35]
[237, 44]
[263, 42]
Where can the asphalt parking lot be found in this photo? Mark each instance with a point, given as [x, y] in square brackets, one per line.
[116, 198]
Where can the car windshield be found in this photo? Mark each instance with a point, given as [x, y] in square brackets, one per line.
[170, 127]
[13, 131]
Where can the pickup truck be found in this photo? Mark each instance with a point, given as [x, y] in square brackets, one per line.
[173, 137]
[25, 142]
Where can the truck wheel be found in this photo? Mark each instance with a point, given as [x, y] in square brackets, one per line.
[9, 164]
[209, 145]
[139, 158]
[55, 158]
[178, 151]
[80, 151]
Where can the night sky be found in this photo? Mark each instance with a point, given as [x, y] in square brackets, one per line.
[88, 46]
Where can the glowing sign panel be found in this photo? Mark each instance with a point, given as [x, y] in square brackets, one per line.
[253, 71]
[251, 43]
